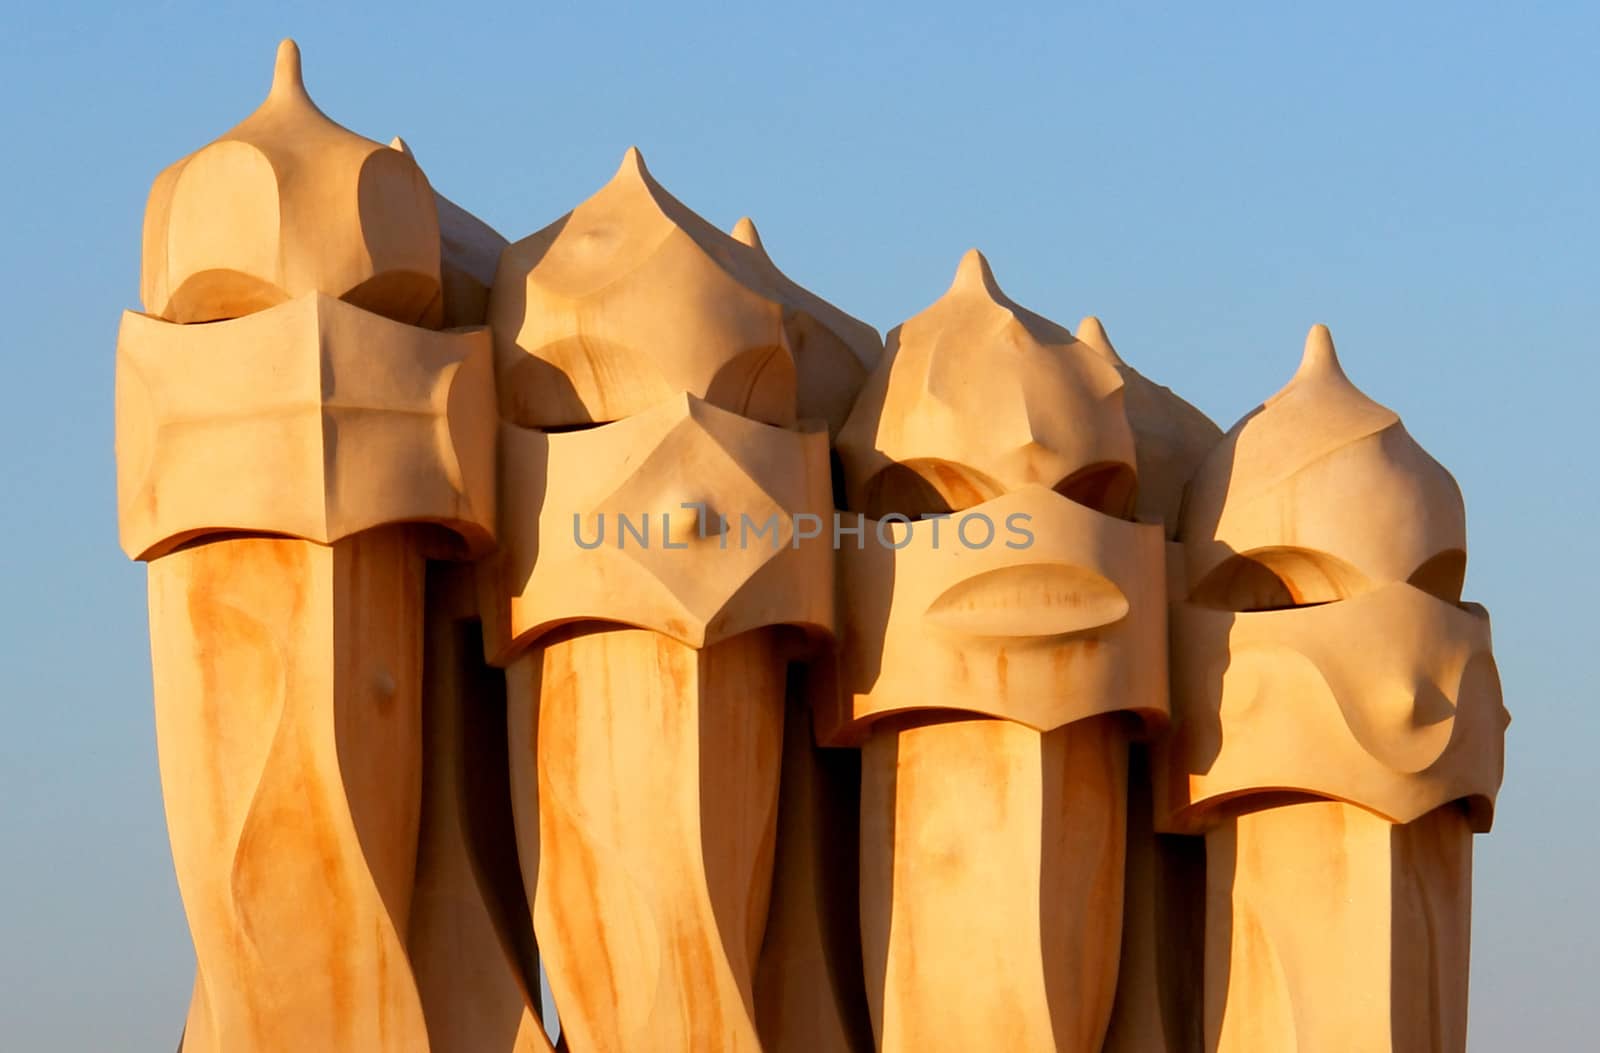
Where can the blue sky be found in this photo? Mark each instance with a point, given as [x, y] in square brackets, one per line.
[1421, 178]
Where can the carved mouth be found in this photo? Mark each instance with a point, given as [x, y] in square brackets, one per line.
[1032, 600]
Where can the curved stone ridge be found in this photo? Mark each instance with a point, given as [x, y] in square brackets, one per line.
[1170, 437]
[833, 351]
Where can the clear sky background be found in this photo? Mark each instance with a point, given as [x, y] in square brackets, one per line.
[1423, 178]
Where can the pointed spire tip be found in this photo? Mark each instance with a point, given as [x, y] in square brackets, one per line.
[633, 163]
[974, 272]
[287, 76]
[1319, 354]
[1093, 335]
[745, 233]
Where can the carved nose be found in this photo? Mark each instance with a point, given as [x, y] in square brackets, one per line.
[1430, 706]
[692, 519]
[1411, 724]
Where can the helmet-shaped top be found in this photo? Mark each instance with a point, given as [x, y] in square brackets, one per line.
[289, 203]
[978, 396]
[1320, 494]
[629, 299]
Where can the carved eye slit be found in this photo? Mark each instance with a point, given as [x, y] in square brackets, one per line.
[405, 296]
[1442, 575]
[927, 486]
[1107, 487]
[562, 429]
[219, 295]
[1279, 578]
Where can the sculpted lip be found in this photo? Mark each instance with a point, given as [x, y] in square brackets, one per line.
[1029, 600]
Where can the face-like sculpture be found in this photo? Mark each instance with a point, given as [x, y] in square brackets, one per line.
[997, 571]
[684, 389]
[1322, 647]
